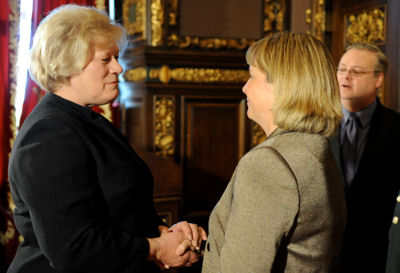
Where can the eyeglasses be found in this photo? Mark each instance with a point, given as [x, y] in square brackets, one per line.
[354, 72]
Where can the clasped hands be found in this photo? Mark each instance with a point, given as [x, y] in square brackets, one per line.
[177, 246]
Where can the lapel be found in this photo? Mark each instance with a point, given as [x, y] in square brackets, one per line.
[334, 143]
[379, 140]
[374, 137]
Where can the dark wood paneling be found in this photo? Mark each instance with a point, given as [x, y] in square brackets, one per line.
[213, 139]
[210, 137]
[225, 19]
[168, 209]
[132, 112]
[392, 84]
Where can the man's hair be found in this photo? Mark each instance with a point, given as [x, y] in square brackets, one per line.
[301, 70]
[381, 60]
[64, 43]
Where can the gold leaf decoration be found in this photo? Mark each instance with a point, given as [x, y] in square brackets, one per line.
[134, 17]
[164, 125]
[165, 74]
[367, 26]
[157, 21]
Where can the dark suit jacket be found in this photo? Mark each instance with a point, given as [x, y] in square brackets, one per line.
[393, 258]
[371, 196]
[83, 196]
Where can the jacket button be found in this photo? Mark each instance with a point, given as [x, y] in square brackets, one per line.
[398, 199]
[395, 220]
[208, 246]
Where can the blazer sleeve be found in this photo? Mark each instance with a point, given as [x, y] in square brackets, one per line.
[393, 256]
[52, 170]
[264, 207]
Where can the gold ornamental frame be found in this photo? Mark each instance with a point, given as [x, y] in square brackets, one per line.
[134, 17]
[157, 22]
[368, 25]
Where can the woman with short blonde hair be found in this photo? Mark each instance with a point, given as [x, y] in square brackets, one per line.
[63, 44]
[83, 197]
[284, 208]
[305, 83]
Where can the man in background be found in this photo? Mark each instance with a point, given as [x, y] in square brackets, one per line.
[367, 149]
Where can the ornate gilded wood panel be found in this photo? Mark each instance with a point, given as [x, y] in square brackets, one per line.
[164, 125]
[165, 74]
[157, 21]
[316, 17]
[368, 25]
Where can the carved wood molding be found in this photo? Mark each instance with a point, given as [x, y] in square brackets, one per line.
[164, 108]
[165, 74]
[164, 27]
[368, 25]
[134, 17]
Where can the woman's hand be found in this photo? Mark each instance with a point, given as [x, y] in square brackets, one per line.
[193, 232]
[170, 250]
[163, 229]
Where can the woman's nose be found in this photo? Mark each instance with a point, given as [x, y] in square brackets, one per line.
[244, 88]
[116, 67]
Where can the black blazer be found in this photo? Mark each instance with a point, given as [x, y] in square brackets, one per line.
[83, 197]
[393, 258]
[371, 196]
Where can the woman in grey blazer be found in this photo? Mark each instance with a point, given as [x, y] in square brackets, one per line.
[284, 209]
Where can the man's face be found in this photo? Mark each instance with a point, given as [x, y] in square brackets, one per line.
[358, 81]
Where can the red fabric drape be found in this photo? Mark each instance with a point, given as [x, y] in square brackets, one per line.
[33, 92]
[5, 121]
[8, 19]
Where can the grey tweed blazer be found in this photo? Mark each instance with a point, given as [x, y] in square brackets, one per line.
[283, 210]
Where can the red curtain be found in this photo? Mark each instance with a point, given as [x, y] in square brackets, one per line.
[5, 108]
[8, 48]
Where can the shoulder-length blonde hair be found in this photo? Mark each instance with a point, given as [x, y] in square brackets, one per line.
[306, 92]
[64, 43]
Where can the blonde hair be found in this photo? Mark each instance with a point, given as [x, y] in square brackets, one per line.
[381, 60]
[64, 43]
[306, 92]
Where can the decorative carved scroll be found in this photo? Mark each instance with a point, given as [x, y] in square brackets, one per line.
[164, 125]
[317, 22]
[157, 22]
[368, 26]
[164, 26]
[274, 16]
[134, 17]
[165, 74]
